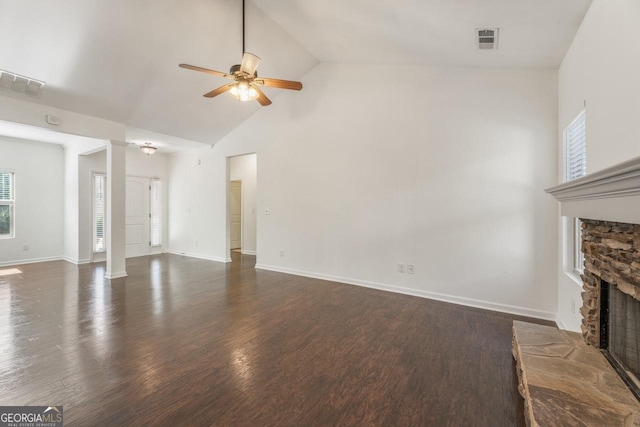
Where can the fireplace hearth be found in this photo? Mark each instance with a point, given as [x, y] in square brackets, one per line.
[565, 378]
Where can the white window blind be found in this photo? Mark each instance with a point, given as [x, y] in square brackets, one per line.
[7, 203]
[575, 159]
[99, 201]
[156, 212]
[575, 148]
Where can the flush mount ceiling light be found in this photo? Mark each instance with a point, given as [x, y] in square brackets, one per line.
[148, 149]
[245, 77]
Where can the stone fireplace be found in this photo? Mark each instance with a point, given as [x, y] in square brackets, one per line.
[611, 254]
[564, 377]
[611, 294]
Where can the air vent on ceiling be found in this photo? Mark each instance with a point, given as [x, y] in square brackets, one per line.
[20, 84]
[487, 38]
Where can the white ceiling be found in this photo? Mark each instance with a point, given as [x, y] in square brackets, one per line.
[533, 33]
[118, 59]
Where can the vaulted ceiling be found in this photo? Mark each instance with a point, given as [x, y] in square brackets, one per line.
[118, 59]
[533, 33]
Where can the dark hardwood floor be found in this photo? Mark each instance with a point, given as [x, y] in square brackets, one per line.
[183, 341]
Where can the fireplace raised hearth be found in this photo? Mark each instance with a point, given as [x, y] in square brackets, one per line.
[566, 379]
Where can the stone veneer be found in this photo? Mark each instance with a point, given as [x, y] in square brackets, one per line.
[612, 254]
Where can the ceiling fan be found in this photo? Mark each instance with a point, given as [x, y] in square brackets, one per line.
[245, 85]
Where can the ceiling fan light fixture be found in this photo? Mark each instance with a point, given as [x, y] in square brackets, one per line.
[243, 91]
[148, 149]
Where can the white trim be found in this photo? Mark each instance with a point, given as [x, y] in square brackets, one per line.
[119, 143]
[612, 194]
[241, 212]
[560, 324]
[575, 279]
[99, 256]
[115, 275]
[621, 180]
[469, 302]
[30, 261]
[75, 260]
[199, 256]
[12, 205]
[247, 252]
[94, 175]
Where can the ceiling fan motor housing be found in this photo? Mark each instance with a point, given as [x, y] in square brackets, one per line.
[236, 69]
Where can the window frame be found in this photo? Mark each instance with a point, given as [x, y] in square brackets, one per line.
[94, 221]
[11, 203]
[574, 255]
[153, 244]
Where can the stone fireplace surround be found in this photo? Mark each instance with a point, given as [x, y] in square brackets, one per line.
[612, 254]
[563, 378]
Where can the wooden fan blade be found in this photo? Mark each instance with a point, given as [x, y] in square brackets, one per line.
[249, 63]
[203, 70]
[280, 84]
[218, 91]
[262, 98]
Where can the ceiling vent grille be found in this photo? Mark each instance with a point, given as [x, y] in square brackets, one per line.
[487, 38]
[20, 84]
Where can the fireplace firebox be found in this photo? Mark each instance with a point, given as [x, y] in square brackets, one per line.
[620, 334]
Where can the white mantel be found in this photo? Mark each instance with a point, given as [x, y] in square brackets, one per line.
[612, 194]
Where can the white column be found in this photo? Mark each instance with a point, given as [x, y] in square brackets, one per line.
[71, 205]
[115, 231]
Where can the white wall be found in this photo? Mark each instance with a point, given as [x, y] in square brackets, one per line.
[245, 168]
[371, 166]
[39, 192]
[601, 68]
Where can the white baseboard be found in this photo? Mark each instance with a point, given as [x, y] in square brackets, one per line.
[76, 261]
[247, 252]
[560, 324]
[199, 256]
[30, 261]
[115, 275]
[470, 302]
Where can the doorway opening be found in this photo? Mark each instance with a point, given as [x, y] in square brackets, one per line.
[241, 206]
[235, 212]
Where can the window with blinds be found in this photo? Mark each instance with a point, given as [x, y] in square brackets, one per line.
[575, 159]
[575, 148]
[156, 212]
[99, 204]
[7, 204]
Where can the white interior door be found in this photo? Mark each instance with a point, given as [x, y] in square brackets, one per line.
[137, 221]
[235, 201]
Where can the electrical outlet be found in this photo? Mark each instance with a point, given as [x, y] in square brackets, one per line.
[196, 243]
[410, 268]
[282, 253]
[400, 268]
[573, 305]
[25, 247]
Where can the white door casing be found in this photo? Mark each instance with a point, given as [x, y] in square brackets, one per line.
[235, 202]
[137, 216]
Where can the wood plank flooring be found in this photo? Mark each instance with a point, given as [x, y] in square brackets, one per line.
[183, 341]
